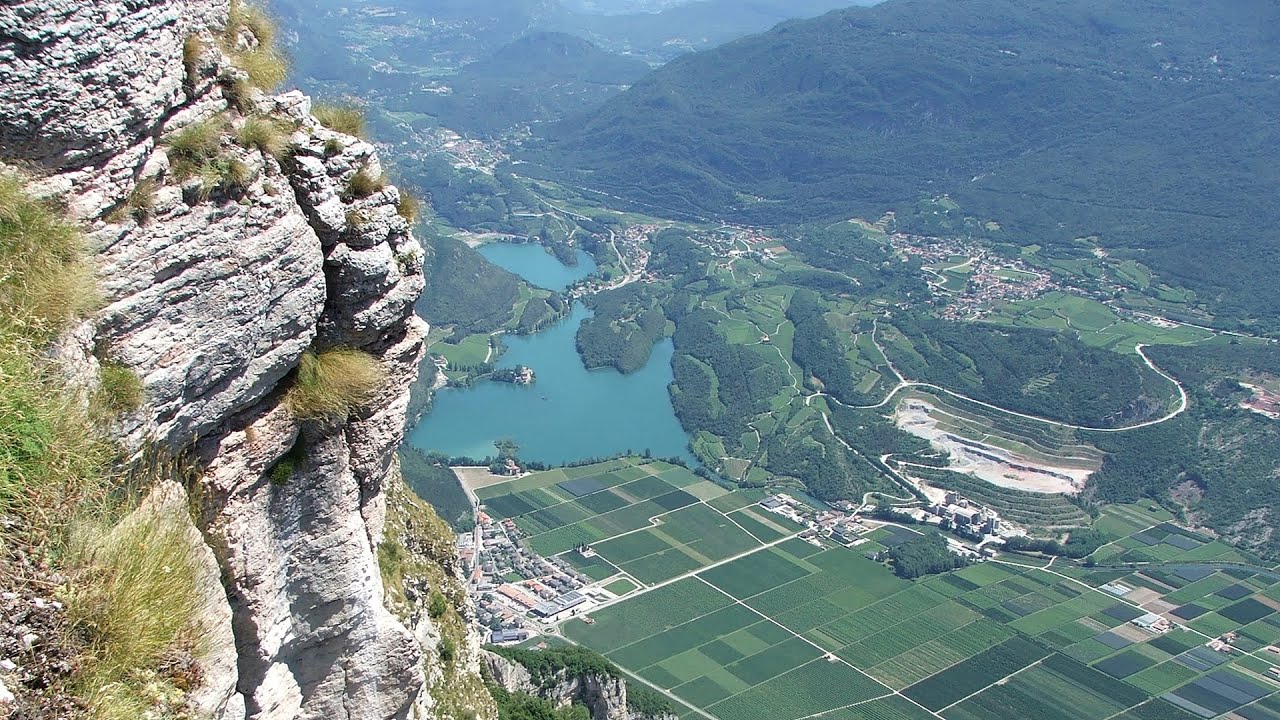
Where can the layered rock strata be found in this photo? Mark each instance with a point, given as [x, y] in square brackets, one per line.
[212, 291]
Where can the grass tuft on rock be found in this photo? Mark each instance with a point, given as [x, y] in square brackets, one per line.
[44, 280]
[242, 17]
[332, 383]
[196, 145]
[140, 204]
[120, 390]
[363, 184]
[225, 174]
[264, 134]
[340, 117]
[266, 67]
[133, 602]
[193, 49]
[409, 207]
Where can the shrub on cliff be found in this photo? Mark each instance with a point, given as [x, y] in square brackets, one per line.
[340, 117]
[332, 383]
[120, 389]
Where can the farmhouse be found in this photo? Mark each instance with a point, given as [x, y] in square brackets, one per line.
[1152, 622]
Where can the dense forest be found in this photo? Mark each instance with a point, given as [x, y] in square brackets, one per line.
[925, 555]
[1218, 461]
[541, 76]
[845, 249]
[1041, 372]
[627, 321]
[464, 289]
[719, 386]
[1148, 124]
[433, 481]
[819, 350]
[468, 198]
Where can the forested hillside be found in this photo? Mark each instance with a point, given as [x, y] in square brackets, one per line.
[1219, 460]
[464, 290]
[541, 76]
[1147, 124]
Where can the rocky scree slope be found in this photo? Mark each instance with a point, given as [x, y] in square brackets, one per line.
[220, 264]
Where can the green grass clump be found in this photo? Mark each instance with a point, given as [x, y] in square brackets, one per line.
[266, 67]
[192, 50]
[363, 184]
[340, 117]
[48, 460]
[195, 146]
[331, 383]
[265, 134]
[133, 600]
[409, 207]
[285, 468]
[120, 389]
[130, 593]
[44, 280]
[229, 175]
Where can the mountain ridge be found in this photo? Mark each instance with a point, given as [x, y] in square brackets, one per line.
[1057, 120]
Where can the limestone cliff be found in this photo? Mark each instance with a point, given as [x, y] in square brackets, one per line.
[603, 694]
[215, 282]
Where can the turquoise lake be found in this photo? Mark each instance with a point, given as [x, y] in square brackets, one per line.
[537, 266]
[570, 413]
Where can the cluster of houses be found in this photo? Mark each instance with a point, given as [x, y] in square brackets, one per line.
[843, 523]
[512, 585]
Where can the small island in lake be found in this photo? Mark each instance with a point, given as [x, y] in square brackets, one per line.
[519, 375]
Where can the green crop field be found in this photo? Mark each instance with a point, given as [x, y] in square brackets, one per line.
[752, 638]
[726, 611]
[636, 516]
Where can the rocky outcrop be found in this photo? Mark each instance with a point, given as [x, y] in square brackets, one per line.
[603, 694]
[212, 297]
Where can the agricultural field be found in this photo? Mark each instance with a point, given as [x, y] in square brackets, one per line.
[1091, 321]
[797, 631]
[645, 522]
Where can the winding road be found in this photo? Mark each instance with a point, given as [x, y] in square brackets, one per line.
[903, 383]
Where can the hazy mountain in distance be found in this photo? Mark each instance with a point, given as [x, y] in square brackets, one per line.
[541, 76]
[1149, 124]
[687, 26]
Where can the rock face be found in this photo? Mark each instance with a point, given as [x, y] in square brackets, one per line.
[212, 297]
[604, 695]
